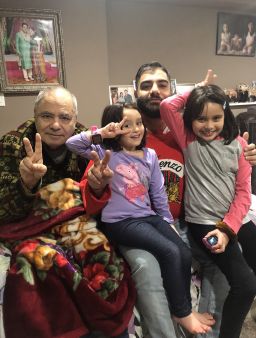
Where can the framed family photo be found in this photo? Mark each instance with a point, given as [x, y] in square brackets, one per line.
[31, 50]
[184, 87]
[173, 86]
[121, 94]
[236, 34]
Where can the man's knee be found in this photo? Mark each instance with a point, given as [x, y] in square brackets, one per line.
[144, 266]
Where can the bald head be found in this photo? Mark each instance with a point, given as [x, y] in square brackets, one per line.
[59, 93]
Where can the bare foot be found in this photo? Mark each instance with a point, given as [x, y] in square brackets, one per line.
[204, 318]
[192, 324]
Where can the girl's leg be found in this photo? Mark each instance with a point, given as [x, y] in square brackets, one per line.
[247, 239]
[240, 277]
[140, 233]
[170, 252]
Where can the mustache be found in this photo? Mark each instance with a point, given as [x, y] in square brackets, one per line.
[154, 96]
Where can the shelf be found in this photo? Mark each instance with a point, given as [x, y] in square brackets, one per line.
[241, 104]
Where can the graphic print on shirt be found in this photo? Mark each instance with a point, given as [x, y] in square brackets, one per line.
[133, 188]
[172, 171]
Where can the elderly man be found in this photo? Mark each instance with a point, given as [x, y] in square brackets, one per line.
[26, 163]
[64, 279]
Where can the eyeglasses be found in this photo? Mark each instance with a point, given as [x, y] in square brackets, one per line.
[63, 118]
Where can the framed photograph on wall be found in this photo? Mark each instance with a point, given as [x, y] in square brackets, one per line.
[184, 87]
[120, 94]
[236, 34]
[173, 86]
[31, 50]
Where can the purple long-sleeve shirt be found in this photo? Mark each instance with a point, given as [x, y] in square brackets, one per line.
[137, 185]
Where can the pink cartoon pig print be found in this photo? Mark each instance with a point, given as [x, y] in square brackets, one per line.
[133, 187]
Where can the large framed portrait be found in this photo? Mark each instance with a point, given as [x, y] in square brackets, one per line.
[236, 34]
[31, 50]
[121, 94]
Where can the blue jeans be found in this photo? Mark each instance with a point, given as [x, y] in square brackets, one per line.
[151, 299]
[155, 235]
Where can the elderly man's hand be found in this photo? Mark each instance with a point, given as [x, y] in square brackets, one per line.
[249, 151]
[99, 174]
[31, 167]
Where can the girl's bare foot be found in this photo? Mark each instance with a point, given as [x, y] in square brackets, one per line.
[204, 318]
[192, 324]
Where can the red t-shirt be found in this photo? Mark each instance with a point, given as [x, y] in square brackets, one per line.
[171, 163]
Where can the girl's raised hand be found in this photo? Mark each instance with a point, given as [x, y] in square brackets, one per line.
[114, 129]
[209, 79]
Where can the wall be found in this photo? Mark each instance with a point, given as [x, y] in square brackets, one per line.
[182, 38]
[105, 41]
[86, 60]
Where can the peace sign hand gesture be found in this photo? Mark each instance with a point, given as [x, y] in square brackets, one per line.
[31, 167]
[99, 174]
[114, 129]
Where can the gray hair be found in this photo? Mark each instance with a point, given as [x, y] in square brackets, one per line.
[42, 94]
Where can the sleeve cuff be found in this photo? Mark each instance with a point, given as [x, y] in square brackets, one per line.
[26, 191]
[222, 226]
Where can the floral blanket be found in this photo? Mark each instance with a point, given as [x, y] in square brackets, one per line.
[64, 279]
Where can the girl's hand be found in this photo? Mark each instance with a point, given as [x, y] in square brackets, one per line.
[114, 129]
[99, 175]
[222, 241]
[208, 80]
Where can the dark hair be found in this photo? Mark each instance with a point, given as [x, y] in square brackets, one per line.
[114, 113]
[151, 66]
[196, 102]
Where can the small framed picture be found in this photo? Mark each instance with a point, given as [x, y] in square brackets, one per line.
[121, 94]
[184, 87]
[173, 86]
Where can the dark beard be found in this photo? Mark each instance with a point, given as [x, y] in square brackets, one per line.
[148, 109]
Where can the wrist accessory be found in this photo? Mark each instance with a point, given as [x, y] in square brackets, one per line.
[222, 226]
[95, 135]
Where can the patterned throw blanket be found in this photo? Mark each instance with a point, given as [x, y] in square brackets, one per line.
[65, 279]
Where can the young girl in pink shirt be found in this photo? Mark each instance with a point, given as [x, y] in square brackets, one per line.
[217, 193]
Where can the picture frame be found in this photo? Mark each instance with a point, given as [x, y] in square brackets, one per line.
[184, 87]
[236, 34]
[31, 50]
[173, 86]
[121, 94]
